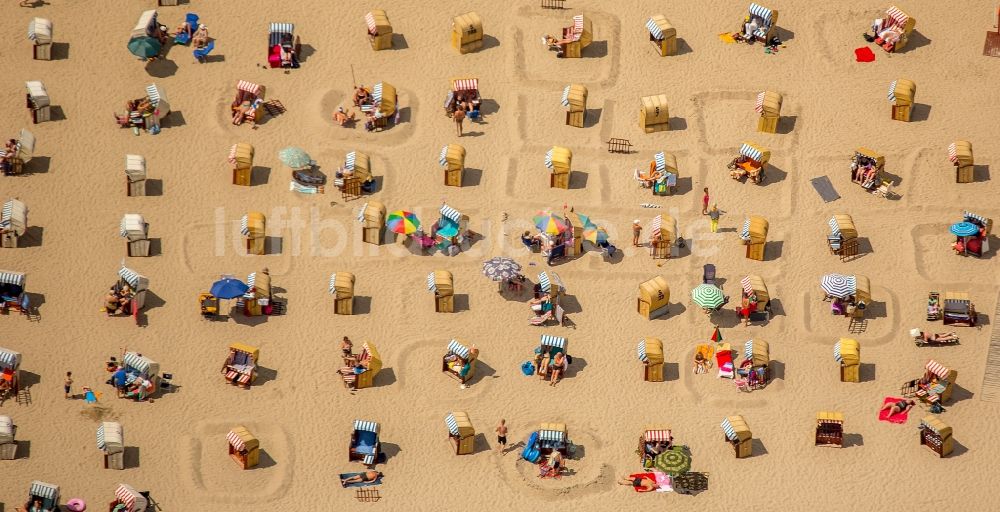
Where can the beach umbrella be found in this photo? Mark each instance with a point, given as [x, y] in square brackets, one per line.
[708, 296]
[402, 222]
[964, 229]
[716, 335]
[228, 288]
[294, 157]
[595, 235]
[550, 223]
[144, 47]
[673, 461]
[837, 285]
[500, 268]
[587, 223]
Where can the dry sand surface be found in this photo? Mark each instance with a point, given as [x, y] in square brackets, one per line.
[300, 411]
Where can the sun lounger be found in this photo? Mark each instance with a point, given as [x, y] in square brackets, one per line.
[201, 54]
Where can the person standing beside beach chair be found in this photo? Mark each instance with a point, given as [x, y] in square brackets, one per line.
[458, 116]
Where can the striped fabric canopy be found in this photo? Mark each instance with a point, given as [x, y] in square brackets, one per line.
[751, 152]
[450, 213]
[836, 353]
[748, 349]
[235, 441]
[728, 429]
[952, 153]
[928, 426]
[431, 283]
[361, 212]
[9, 359]
[661, 161]
[758, 105]
[129, 276]
[653, 436]
[281, 28]
[655, 226]
[654, 29]
[244, 225]
[132, 223]
[642, 350]
[251, 279]
[543, 281]
[454, 347]
[838, 285]
[565, 96]
[763, 12]
[466, 84]
[377, 93]
[553, 341]
[7, 219]
[232, 154]
[249, 87]
[937, 369]
[449, 420]
[896, 16]
[40, 31]
[109, 433]
[892, 91]
[366, 426]
[551, 435]
[747, 286]
[370, 21]
[577, 27]
[745, 231]
[14, 278]
[443, 158]
[154, 94]
[333, 283]
[134, 360]
[548, 158]
[969, 215]
[6, 429]
[834, 227]
[44, 490]
[135, 163]
[349, 160]
[134, 502]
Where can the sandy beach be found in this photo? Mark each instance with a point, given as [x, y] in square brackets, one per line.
[299, 409]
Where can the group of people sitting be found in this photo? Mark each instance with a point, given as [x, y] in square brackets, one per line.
[136, 112]
[864, 171]
[659, 181]
[246, 110]
[9, 154]
[354, 365]
[119, 300]
[467, 101]
[552, 247]
[846, 306]
[746, 167]
[651, 449]
[364, 100]
[131, 385]
[551, 365]
[886, 33]
[198, 36]
[283, 54]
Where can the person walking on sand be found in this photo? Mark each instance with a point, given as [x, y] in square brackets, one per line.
[459, 116]
[713, 217]
[704, 203]
[636, 231]
[501, 431]
[68, 384]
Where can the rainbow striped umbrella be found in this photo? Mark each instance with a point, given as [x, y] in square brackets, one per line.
[402, 222]
[595, 235]
[548, 222]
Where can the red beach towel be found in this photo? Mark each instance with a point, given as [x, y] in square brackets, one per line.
[864, 54]
[896, 418]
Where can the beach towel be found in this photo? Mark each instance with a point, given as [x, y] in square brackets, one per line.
[727, 38]
[91, 396]
[864, 54]
[663, 482]
[377, 481]
[825, 189]
[896, 418]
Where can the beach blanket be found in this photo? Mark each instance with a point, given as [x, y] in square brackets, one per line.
[663, 481]
[864, 54]
[896, 418]
[727, 37]
[377, 481]
[825, 189]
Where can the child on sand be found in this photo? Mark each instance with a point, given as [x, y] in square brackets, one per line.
[68, 384]
[501, 431]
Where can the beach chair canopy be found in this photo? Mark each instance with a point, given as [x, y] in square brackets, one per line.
[131, 498]
[660, 28]
[241, 439]
[656, 292]
[372, 214]
[960, 153]
[665, 162]
[768, 104]
[938, 369]
[754, 152]
[367, 426]
[546, 280]
[464, 84]
[276, 30]
[137, 282]
[553, 432]
[957, 302]
[765, 14]
[14, 216]
[146, 25]
[9, 359]
[650, 350]
[370, 352]
[870, 154]
[158, 99]
[459, 425]
[241, 155]
[829, 417]
[144, 365]
[757, 352]
[441, 283]
[655, 433]
[575, 97]
[25, 147]
[135, 167]
[864, 289]
[470, 25]
[901, 91]
[932, 423]
[39, 96]
[558, 157]
[450, 213]
[847, 352]
[110, 437]
[378, 23]
[133, 227]
[754, 229]
[14, 281]
[457, 348]
[384, 95]
[252, 354]
[252, 225]
[583, 30]
[736, 429]
[754, 285]
[898, 18]
[360, 164]
[6, 430]
[48, 492]
[40, 31]
[342, 284]
[663, 228]
[553, 342]
[842, 226]
[249, 87]
[655, 108]
[258, 286]
[452, 155]
[977, 219]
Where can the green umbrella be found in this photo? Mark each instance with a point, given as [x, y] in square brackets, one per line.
[673, 461]
[708, 296]
[296, 158]
[144, 47]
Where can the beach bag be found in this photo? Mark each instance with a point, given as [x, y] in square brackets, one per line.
[569, 359]
[528, 368]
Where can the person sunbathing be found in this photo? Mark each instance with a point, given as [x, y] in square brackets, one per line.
[552, 42]
[340, 117]
[557, 366]
[200, 37]
[639, 482]
[700, 364]
[243, 111]
[367, 476]
[946, 336]
[898, 407]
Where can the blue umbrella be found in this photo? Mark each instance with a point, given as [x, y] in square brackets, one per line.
[144, 47]
[294, 157]
[228, 288]
[964, 229]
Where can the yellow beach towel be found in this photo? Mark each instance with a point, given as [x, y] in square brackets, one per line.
[727, 38]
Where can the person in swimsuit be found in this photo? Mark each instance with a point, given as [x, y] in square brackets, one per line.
[898, 407]
[367, 476]
[556, 366]
[501, 431]
[950, 336]
[639, 482]
[346, 347]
